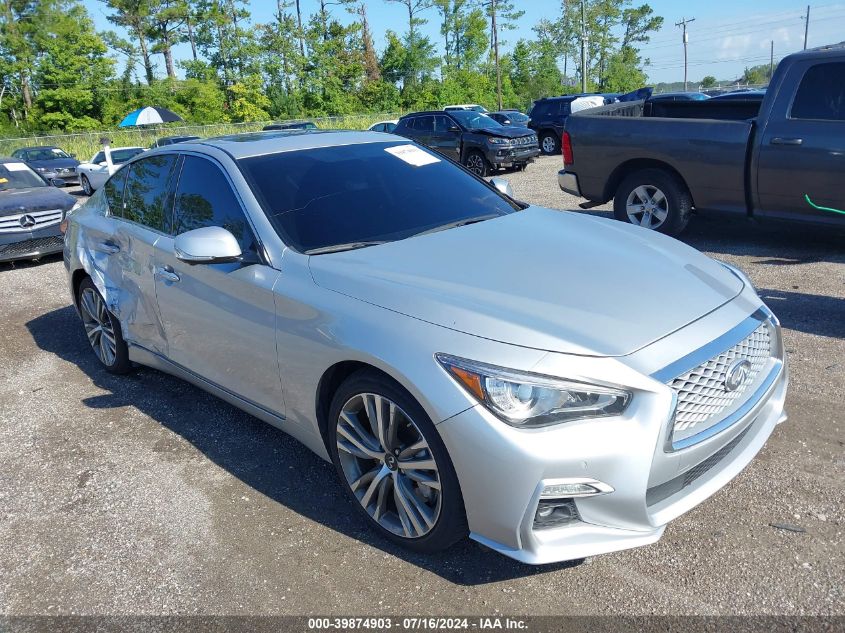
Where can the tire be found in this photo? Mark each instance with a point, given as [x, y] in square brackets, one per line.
[477, 164]
[111, 349]
[549, 143]
[655, 199]
[419, 517]
[86, 185]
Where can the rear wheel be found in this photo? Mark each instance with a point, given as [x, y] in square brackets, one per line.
[394, 465]
[102, 329]
[654, 199]
[549, 143]
[86, 185]
[477, 164]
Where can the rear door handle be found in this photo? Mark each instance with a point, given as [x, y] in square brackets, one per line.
[787, 141]
[109, 248]
[167, 274]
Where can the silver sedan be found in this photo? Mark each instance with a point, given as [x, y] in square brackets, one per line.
[551, 384]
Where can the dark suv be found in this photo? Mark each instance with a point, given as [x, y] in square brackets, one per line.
[548, 116]
[472, 139]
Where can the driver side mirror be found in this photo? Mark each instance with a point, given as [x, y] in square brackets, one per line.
[58, 182]
[208, 245]
[103, 163]
[503, 186]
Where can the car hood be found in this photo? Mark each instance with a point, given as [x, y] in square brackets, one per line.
[543, 279]
[16, 201]
[55, 163]
[507, 131]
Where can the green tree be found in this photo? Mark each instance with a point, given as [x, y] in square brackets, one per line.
[248, 101]
[708, 82]
[134, 16]
[167, 20]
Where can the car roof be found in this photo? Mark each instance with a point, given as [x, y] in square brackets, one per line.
[423, 112]
[583, 94]
[23, 149]
[260, 143]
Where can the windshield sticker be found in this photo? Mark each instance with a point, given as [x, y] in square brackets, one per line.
[15, 167]
[412, 155]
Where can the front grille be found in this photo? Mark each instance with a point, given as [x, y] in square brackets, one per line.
[29, 220]
[525, 140]
[702, 396]
[32, 247]
[665, 490]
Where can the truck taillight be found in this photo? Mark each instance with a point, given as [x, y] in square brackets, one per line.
[566, 145]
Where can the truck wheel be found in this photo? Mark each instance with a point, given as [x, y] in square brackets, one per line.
[477, 164]
[654, 199]
[549, 143]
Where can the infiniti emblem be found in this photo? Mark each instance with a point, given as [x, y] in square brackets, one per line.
[736, 374]
[27, 221]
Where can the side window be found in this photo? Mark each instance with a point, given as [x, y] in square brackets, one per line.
[821, 94]
[424, 124]
[99, 158]
[113, 191]
[205, 198]
[442, 123]
[146, 199]
[411, 124]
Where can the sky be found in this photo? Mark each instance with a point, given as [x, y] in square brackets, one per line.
[726, 36]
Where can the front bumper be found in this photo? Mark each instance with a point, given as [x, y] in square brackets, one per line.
[516, 156]
[568, 182]
[502, 471]
[31, 244]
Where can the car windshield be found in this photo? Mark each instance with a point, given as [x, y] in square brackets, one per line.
[48, 153]
[474, 120]
[18, 176]
[332, 198]
[516, 117]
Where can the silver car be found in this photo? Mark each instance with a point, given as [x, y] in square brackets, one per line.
[552, 384]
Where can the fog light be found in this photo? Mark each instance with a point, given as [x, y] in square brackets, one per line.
[574, 488]
[555, 513]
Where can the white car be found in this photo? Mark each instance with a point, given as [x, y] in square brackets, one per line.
[94, 173]
[467, 106]
[384, 126]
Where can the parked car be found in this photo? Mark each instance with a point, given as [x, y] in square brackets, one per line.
[680, 96]
[474, 107]
[169, 140]
[31, 209]
[50, 161]
[95, 172]
[340, 285]
[779, 158]
[472, 139]
[384, 126]
[548, 117]
[743, 95]
[513, 118]
[291, 125]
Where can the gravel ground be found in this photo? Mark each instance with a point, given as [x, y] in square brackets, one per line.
[144, 495]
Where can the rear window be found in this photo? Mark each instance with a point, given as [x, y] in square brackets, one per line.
[821, 94]
[329, 196]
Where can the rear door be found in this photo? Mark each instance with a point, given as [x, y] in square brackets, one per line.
[802, 148]
[219, 319]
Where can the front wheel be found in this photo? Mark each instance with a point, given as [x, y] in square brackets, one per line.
[477, 164]
[653, 199]
[394, 465]
[549, 143]
[86, 185]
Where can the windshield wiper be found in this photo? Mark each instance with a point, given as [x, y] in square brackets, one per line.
[454, 225]
[338, 248]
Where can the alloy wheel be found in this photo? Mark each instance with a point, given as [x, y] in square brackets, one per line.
[647, 206]
[549, 145]
[388, 465]
[98, 326]
[475, 164]
[86, 186]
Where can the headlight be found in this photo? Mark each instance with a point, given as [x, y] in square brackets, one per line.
[736, 272]
[493, 140]
[41, 169]
[531, 400]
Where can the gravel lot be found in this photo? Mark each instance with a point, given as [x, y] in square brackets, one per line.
[144, 495]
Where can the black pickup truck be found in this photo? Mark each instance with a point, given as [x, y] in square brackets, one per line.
[660, 161]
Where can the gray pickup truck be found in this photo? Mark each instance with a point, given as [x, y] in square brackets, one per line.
[660, 161]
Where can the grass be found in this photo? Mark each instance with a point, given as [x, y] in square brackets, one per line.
[85, 145]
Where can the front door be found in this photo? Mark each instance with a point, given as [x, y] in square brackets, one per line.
[219, 319]
[802, 149]
[444, 139]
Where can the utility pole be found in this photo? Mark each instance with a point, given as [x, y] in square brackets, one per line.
[496, 52]
[772, 60]
[583, 49]
[684, 23]
[806, 26]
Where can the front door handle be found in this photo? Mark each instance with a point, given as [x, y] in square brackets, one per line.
[109, 248]
[167, 273]
[787, 141]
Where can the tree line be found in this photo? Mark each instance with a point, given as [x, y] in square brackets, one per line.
[61, 74]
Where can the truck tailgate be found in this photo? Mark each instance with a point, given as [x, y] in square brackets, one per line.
[709, 155]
